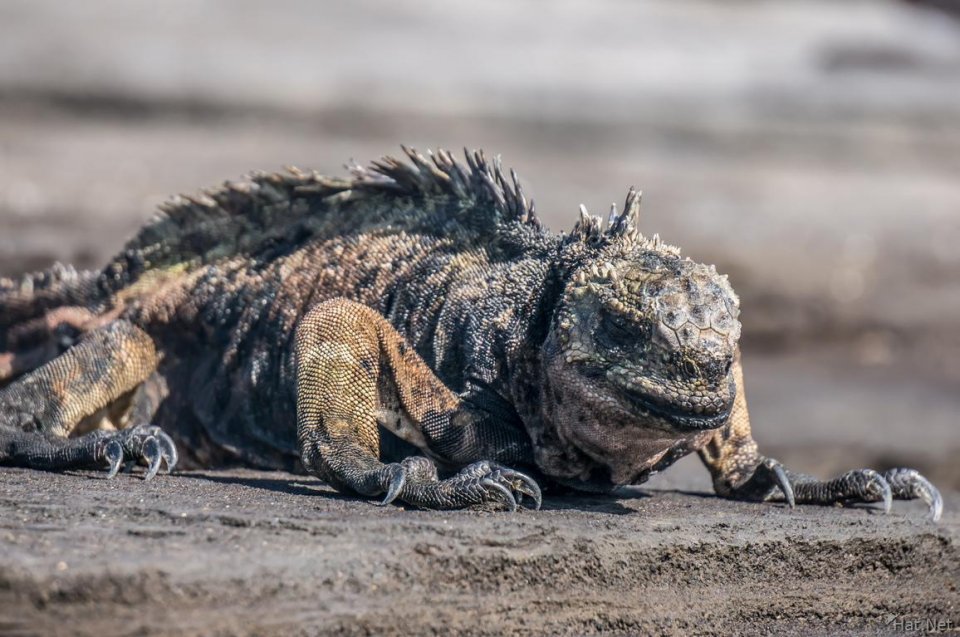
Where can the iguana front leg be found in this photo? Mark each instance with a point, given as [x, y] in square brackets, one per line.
[39, 410]
[355, 372]
[739, 471]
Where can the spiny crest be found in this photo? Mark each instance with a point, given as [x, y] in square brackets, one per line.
[619, 226]
[440, 173]
[241, 216]
[257, 205]
[57, 275]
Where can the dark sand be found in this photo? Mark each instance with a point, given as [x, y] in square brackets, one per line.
[251, 553]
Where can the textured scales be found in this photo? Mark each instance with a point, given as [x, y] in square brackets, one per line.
[410, 332]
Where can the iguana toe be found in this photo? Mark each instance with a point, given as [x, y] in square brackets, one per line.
[853, 487]
[860, 486]
[482, 483]
[908, 484]
[768, 481]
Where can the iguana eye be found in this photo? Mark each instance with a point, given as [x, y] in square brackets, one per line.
[617, 331]
[689, 367]
[621, 329]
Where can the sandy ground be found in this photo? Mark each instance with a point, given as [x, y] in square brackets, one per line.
[810, 149]
[248, 553]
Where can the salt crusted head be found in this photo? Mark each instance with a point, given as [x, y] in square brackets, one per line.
[641, 346]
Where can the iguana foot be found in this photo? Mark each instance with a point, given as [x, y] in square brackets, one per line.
[145, 444]
[415, 481]
[771, 481]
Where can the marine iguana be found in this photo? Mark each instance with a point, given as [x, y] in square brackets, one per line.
[374, 329]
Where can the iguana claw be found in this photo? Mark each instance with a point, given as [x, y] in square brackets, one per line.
[151, 453]
[780, 476]
[887, 496]
[414, 480]
[113, 454]
[168, 451]
[908, 484]
[523, 484]
[506, 481]
[144, 443]
[860, 486]
[504, 492]
[397, 480]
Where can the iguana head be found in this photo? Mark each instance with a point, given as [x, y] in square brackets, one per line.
[640, 351]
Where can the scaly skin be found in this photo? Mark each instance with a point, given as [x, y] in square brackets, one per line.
[349, 324]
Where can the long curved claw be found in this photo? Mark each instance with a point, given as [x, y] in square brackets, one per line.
[780, 476]
[909, 483]
[929, 494]
[887, 497]
[169, 452]
[152, 454]
[524, 484]
[397, 479]
[507, 495]
[481, 483]
[113, 454]
[935, 501]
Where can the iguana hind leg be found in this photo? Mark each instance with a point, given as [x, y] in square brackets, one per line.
[739, 471]
[39, 411]
[355, 373]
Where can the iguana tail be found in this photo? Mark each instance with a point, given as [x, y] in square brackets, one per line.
[35, 294]
[41, 313]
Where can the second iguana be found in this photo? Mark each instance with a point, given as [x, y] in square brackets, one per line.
[410, 332]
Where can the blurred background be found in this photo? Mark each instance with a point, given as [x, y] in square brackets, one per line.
[811, 149]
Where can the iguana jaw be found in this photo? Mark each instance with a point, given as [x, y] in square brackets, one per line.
[594, 425]
[648, 403]
[654, 409]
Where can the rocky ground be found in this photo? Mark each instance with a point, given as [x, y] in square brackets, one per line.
[810, 149]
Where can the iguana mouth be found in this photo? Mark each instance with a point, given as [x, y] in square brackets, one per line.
[647, 401]
[677, 417]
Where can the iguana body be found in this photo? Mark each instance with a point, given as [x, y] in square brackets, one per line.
[414, 308]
